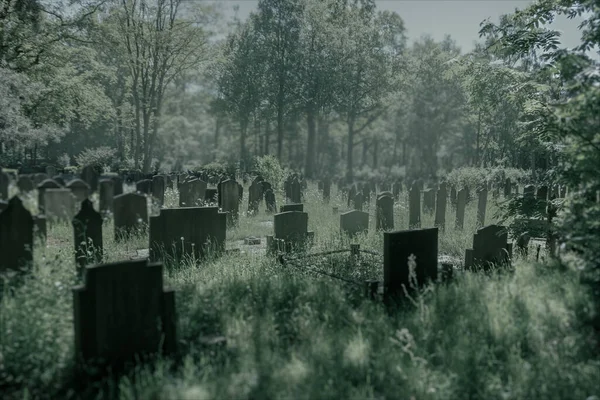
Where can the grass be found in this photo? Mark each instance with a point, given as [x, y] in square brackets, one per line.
[298, 335]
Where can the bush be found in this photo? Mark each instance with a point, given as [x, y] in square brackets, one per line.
[269, 168]
[100, 156]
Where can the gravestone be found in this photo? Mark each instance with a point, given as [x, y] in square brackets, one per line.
[440, 207]
[87, 233]
[130, 214]
[25, 184]
[529, 191]
[366, 195]
[354, 222]
[326, 190]
[118, 185]
[292, 207]
[59, 205]
[122, 312]
[42, 187]
[398, 247]
[195, 231]
[159, 183]
[396, 189]
[40, 227]
[240, 193]
[490, 246]
[106, 188]
[507, 188]
[351, 194]
[481, 207]
[428, 201]
[385, 212]
[90, 175]
[542, 193]
[4, 182]
[80, 189]
[291, 228]
[39, 178]
[51, 170]
[60, 180]
[255, 195]
[270, 201]
[3, 205]
[144, 186]
[230, 201]
[295, 191]
[180, 179]
[191, 193]
[16, 236]
[358, 201]
[461, 203]
[210, 195]
[453, 196]
[414, 207]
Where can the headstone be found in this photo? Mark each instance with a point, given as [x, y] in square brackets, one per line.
[292, 207]
[87, 232]
[90, 175]
[159, 184]
[42, 187]
[440, 207]
[130, 214]
[180, 179]
[295, 191]
[385, 212]
[191, 193]
[80, 189]
[326, 190]
[106, 189]
[177, 232]
[255, 195]
[507, 188]
[461, 203]
[400, 249]
[59, 205]
[529, 191]
[4, 182]
[414, 207]
[230, 200]
[39, 178]
[428, 201]
[51, 170]
[270, 201]
[358, 201]
[40, 227]
[16, 236]
[490, 245]
[354, 222]
[351, 194]
[122, 313]
[25, 184]
[542, 193]
[396, 189]
[144, 186]
[366, 195]
[59, 179]
[453, 196]
[210, 195]
[292, 228]
[481, 207]
[118, 185]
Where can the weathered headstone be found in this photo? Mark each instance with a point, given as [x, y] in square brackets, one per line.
[396, 189]
[255, 195]
[4, 183]
[60, 180]
[159, 184]
[529, 191]
[418, 247]
[106, 189]
[144, 186]
[358, 201]
[210, 195]
[490, 246]
[542, 193]
[453, 196]
[230, 202]
[191, 193]
[80, 189]
[177, 232]
[39, 178]
[440, 207]
[326, 190]
[122, 313]
[16, 236]
[118, 185]
[59, 205]
[385, 212]
[481, 206]
[428, 201]
[292, 207]
[42, 187]
[354, 222]
[366, 195]
[461, 203]
[270, 201]
[130, 214]
[295, 191]
[87, 232]
[414, 207]
[90, 175]
[291, 228]
[25, 184]
[507, 188]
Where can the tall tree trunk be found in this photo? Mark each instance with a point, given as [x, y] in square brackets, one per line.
[309, 167]
[146, 148]
[375, 153]
[243, 129]
[216, 138]
[267, 136]
[350, 150]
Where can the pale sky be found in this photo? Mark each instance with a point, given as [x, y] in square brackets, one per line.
[459, 18]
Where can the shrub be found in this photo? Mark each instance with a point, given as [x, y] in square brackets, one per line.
[269, 168]
[100, 156]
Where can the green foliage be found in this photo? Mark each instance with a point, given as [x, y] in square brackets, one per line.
[100, 156]
[473, 177]
[269, 168]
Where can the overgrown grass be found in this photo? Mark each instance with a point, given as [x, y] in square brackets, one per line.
[296, 335]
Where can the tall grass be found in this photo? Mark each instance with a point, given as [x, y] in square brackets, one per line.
[302, 336]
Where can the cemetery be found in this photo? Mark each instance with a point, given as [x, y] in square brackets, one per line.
[299, 199]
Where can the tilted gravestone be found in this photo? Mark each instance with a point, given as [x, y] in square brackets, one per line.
[159, 184]
[196, 231]
[490, 246]
[385, 212]
[354, 222]
[290, 231]
[16, 236]
[130, 214]
[80, 189]
[42, 187]
[89, 174]
[4, 183]
[87, 233]
[481, 206]
[106, 189]
[428, 201]
[440, 207]
[25, 184]
[270, 201]
[414, 207]
[144, 186]
[191, 193]
[59, 205]
[461, 203]
[291, 207]
[402, 248]
[230, 201]
[122, 312]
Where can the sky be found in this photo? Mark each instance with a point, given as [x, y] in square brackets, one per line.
[458, 18]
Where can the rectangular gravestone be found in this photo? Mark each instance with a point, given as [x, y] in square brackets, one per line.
[481, 207]
[461, 203]
[270, 201]
[414, 207]
[16, 236]
[255, 196]
[130, 214]
[122, 312]
[490, 246]
[41, 188]
[291, 207]
[191, 193]
[4, 183]
[60, 205]
[440, 207]
[79, 188]
[25, 184]
[144, 186]
[90, 175]
[398, 249]
[292, 229]
[354, 222]
[428, 201]
[118, 185]
[385, 212]
[211, 195]
[159, 184]
[87, 233]
[230, 200]
[106, 189]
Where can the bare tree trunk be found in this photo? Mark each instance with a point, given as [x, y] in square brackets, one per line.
[216, 137]
[350, 150]
[375, 153]
[309, 167]
[267, 136]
